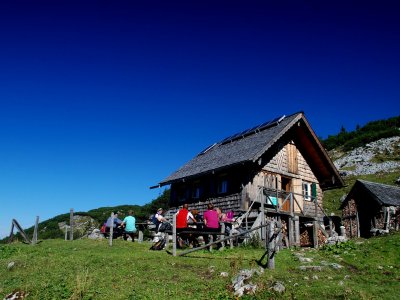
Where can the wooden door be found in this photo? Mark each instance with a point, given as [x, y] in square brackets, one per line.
[286, 186]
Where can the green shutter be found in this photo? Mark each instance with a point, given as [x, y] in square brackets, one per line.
[314, 191]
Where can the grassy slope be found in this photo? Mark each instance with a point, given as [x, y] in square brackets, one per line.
[85, 269]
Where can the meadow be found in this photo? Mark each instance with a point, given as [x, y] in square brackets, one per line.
[88, 269]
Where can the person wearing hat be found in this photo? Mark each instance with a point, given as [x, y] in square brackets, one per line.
[159, 218]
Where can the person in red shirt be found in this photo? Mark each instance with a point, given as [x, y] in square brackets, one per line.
[182, 218]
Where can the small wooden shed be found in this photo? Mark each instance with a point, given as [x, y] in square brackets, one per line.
[370, 207]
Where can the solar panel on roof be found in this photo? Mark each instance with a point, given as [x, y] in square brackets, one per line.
[252, 130]
[207, 149]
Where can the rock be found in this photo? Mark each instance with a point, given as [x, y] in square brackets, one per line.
[336, 266]
[240, 282]
[311, 268]
[16, 295]
[96, 235]
[304, 259]
[278, 287]
[360, 160]
[247, 289]
[224, 274]
[336, 239]
[10, 265]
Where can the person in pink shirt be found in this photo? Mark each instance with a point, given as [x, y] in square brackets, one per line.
[211, 223]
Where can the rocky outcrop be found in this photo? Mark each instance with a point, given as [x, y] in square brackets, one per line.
[83, 226]
[363, 160]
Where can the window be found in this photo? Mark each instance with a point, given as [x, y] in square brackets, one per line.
[307, 191]
[197, 191]
[222, 186]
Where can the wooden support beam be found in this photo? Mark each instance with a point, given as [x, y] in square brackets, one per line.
[296, 221]
[315, 233]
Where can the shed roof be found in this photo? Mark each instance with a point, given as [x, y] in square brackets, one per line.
[250, 145]
[384, 194]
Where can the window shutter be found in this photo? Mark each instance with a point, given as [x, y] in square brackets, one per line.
[314, 190]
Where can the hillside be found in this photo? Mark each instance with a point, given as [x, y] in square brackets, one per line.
[371, 153]
[89, 269]
[86, 221]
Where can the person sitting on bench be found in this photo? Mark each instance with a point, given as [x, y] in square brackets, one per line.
[129, 225]
[211, 223]
[182, 218]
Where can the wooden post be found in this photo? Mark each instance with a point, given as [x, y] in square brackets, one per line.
[35, 231]
[271, 245]
[292, 204]
[291, 231]
[71, 224]
[222, 235]
[10, 239]
[263, 232]
[231, 239]
[166, 237]
[279, 235]
[315, 233]
[387, 224]
[66, 232]
[110, 239]
[296, 230]
[140, 236]
[358, 225]
[174, 235]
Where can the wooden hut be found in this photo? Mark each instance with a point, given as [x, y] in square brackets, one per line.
[369, 208]
[278, 167]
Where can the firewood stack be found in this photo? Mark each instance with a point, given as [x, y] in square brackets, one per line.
[321, 238]
[305, 239]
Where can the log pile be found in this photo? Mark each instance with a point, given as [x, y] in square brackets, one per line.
[350, 208]
[306, 239]
[321, 238]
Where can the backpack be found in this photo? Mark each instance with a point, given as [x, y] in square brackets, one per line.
[159, 245]
[165, 226]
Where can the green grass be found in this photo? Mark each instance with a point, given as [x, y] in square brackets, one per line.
[85, 269]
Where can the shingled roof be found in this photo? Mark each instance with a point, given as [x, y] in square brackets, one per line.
[384, 194]
[248, 147]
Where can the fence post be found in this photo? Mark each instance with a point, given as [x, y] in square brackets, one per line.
[11, 238]
[174, 235]
[35, 231]
[140, 236]
[271, 245]
[222, 235]
[71, 224]
[66, 232]
[111, 229]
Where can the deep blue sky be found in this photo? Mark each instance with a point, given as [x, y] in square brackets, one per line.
[99, 100]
